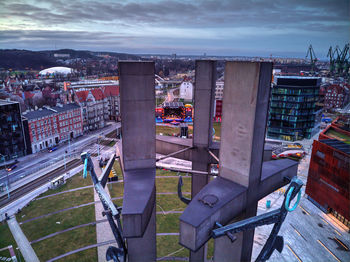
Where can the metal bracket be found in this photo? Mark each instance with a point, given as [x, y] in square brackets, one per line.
[274, 217]
[179, 192]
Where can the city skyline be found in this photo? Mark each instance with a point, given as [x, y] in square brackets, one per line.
[229, 28]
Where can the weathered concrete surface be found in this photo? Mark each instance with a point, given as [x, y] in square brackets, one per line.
[243, 132]
[22, 241]
[138, 158]
[240, 184]
[204, 95]
[199, 219]
[137, 101]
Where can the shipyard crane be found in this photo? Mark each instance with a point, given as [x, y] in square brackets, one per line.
[342, 63]
[331, 60]
[345, 59]
[313, 59]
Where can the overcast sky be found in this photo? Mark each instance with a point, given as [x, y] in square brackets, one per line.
[248, 27]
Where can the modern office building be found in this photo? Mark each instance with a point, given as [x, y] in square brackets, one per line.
[328, 183]
[12, 139]
[293, 114]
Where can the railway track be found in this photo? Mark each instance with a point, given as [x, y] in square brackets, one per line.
[18, 192]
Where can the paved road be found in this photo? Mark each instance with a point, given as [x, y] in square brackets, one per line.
[34, 162]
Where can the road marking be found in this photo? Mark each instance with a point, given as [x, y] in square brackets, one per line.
[294, 253]
[298, 232]
[330, 252]
[304, 210]
[336, 231]
[341, 243]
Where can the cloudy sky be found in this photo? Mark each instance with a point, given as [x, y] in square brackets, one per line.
[247, 27]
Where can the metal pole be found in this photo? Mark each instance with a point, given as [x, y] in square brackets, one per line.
[8, 192]
[98, 147]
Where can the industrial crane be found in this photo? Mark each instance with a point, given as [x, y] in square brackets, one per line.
[331, 60]
[342, 62]
[313, 59]
[346, 63]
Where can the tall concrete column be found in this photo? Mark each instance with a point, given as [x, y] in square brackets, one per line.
[138, 159]
[204, 95]
[245, 106]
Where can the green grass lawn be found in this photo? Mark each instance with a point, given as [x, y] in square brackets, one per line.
[67, 219]
[163, 172]
[166, 184]
[170, 130]
[6, 239]
[71, 183]
[117, 169]
[89, 255]
[168, 223]
[170, 203]
[66, 242]
[116, 189]
[337, 135]
[81, 237]
[217, 128]
[54, 203]
[167, 245]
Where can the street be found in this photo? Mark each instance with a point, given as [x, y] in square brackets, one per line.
[35, 162]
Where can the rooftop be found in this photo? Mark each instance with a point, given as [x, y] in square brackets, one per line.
[341, 146]
[5, 102]
[43, 112]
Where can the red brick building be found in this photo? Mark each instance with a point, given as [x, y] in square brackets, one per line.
[328, 184]
[336, 96]
[49, 126]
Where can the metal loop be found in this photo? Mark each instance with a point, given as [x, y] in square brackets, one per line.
[287, 203]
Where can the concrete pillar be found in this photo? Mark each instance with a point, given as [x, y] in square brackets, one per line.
[144, 249]
[138, 158]
[245, 105]
[204, 95]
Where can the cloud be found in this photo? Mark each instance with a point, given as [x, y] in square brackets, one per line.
[220, 23]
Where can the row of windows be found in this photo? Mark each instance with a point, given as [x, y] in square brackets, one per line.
[292, 105]
[295, 112]
[292, 118]
[294, 98]
[287, 91]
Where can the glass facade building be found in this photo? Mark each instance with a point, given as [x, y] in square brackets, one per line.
[12, 141]
[293, 113]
